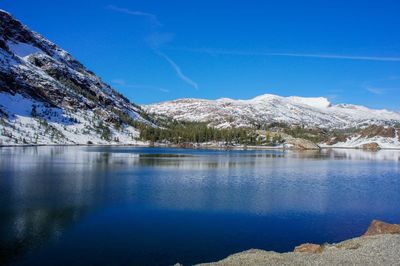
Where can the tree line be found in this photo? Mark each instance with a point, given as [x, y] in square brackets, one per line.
[183, 132]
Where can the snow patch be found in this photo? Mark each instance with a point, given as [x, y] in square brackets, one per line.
[16, 104]
[265, 97]
[54, 125]
[23, 49]
[316, 102]
[358, 142]
[268, 108]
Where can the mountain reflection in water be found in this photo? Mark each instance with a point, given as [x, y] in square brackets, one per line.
[152, 206]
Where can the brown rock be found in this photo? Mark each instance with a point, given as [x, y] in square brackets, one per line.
[308, 248]
[374, 130]
[373, 146]
[398, 134]
[378, 228]
[187, 145]
[300, 144]
[337, 139]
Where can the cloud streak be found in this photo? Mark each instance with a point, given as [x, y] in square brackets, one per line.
[122, 83]
[376, 91]
[153, 18]
[320, 56]
[178, 70]
[155, 40]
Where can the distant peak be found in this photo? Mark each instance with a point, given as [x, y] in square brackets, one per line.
[265, 97]
[225, 99]
[317, 102]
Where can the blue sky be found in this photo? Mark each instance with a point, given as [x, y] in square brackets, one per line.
[151, 51]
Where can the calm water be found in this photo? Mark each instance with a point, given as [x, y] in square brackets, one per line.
[151, 206]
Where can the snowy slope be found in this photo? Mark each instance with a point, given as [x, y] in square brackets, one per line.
[268, 108]
[358, 141]
[47, 96]
[384, 136]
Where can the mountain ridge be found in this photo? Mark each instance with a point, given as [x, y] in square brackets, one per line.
[49, 97]
[270, 108]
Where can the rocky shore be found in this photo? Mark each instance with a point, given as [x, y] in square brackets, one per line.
[380, 245]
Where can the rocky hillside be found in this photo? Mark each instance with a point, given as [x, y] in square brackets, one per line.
[47, 96]
[341, 125]
[268, 108]
[371, 137]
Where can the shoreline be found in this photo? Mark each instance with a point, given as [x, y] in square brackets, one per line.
[208, 147]
[379, 245]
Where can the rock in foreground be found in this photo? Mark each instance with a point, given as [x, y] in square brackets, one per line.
[380, 245]
[378, 228]
[309, 248]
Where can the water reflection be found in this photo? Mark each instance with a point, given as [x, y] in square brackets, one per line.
[46, 191]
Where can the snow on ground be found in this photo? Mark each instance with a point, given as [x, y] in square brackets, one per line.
[16, 104]
[357, 142]
[23, 49]
[269, 108]
[317, 102]
[53, 125]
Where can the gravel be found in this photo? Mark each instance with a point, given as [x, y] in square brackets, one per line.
[371, 250]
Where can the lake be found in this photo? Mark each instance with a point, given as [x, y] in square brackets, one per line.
[159, 206]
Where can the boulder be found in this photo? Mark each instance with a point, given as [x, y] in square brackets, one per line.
[309, 248]
[337, 139]
[398, 134]
[373, 146]
[375, 130]
[300, 144]
[378, 228]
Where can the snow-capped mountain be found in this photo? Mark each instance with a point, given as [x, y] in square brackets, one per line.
[268, 108]
[47, 96]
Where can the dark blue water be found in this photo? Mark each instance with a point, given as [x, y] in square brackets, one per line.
[151, 206]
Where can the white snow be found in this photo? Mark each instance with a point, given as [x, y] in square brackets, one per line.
[72, 121]
[358, 141]
[61, 126]
[23, 49]
[16, 104]
[269, 108]
[317, 102]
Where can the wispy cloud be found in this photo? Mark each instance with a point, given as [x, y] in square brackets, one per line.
[164, 90]
[122, 83]
[376, 91]
[155, 40]
[178, 70]
[119, 82]
[332, 97]
[321, 56]
[153, 18]
[386, 90]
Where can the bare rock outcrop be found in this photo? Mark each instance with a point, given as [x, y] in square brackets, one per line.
[378, 228]
[373, 146]
[309, 248]
[375, 130]
[299, 144]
